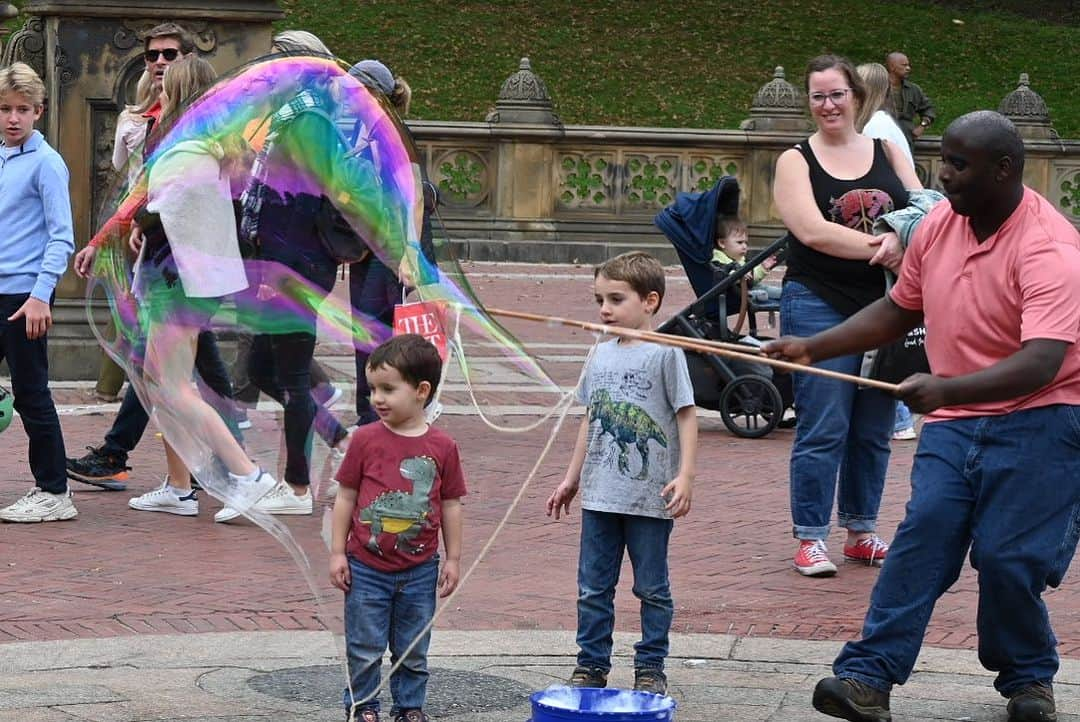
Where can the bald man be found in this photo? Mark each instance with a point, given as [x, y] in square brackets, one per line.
[909, 100]
[995, 273]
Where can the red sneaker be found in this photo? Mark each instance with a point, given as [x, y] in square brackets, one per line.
[812, 559]
[871, 550]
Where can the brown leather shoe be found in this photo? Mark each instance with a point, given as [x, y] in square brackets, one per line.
[1034, 703]
[852, 700]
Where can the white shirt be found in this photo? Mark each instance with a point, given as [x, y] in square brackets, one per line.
[881, 125]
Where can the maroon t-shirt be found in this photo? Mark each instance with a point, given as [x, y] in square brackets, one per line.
[401, 482]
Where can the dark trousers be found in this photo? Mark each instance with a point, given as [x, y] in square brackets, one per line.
[373, 289]
[28, 361]
[280, 366]
[130, 422]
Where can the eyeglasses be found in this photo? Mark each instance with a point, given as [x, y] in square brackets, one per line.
[170, 54]
[836, 96]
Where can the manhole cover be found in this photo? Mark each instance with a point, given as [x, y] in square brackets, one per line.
[449, 692]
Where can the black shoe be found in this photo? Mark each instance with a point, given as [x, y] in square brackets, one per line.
[368, 714]
[411, 715]
[99, 469]
[1034, 703]
[652, 681]
[588, 677]
[852, 700]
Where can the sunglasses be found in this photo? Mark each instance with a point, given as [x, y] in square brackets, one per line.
[170, 54]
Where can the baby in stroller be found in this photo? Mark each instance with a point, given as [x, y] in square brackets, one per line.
[703, 228]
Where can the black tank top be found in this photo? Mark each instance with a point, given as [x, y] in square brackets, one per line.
[845, 284]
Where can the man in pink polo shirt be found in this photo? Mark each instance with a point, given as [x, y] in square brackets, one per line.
[995, 273]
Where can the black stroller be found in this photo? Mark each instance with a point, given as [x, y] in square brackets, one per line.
[750, 397]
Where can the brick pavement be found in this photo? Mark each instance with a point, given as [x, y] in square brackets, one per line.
[119, 572]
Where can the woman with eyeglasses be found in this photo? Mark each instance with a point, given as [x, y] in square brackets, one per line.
[828, 190]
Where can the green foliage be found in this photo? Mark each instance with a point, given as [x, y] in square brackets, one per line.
[688, 63]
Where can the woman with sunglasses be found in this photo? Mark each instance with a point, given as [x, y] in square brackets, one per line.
[828, 190]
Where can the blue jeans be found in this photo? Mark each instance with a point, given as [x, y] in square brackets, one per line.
[842, 432]
[389, 609]
[373, 290]
[28, 361]
[603, 537]
[903, 417]
[1005, 486]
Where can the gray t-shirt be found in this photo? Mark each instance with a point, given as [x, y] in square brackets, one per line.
[632, 394]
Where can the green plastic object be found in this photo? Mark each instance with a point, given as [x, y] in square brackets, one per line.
[7, 408]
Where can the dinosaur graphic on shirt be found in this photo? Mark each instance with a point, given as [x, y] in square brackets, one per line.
[401, 513]
[628, 424]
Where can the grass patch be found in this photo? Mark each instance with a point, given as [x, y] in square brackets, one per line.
[692, 63]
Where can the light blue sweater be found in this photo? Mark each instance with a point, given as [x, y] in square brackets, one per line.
[36, 239]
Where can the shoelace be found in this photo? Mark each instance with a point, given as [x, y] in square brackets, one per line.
[816, 552]
[878, 547]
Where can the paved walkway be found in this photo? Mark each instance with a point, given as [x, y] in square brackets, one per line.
[121, 615]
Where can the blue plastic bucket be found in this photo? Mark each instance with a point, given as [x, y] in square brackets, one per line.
[565, 704]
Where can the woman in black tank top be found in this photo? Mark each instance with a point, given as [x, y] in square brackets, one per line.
[829, 189]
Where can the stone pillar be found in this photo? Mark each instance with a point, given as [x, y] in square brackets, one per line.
[90, 56]
[523, 119]
[778, 111]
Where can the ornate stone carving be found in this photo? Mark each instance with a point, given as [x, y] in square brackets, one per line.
[64, 72]
[651, 181]
[28, 45]
[585, 180]
[130, 33]
[524, 99]
[1067, 183]
[778, 105]
[461, 177]
[705, 171]
[1028, 111]
[103, 122]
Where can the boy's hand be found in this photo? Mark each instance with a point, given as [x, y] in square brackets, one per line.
[680, 490]
[84, 261]
[340, 576]
[38, 317]
[449, 577]
[560, 498]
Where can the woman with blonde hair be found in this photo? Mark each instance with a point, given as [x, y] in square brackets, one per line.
[875, 118]
[189, 259]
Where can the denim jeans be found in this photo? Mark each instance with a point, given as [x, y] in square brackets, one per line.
[1005, 486]
[131, 420]
[28, 361]
[903, 417]
[842, 433]
[604, 535]
[374, 290]
[389, 609]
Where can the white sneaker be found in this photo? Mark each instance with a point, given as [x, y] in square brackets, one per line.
[283, 500]
[38, 505]
[166, 499]
[907, 434]
[246, 494]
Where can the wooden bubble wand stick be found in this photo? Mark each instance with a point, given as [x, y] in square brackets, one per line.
[729, 350]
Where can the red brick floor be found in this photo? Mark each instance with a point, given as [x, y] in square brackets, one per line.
[117, 572]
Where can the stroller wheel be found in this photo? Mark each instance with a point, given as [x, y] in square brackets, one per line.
[751, 406]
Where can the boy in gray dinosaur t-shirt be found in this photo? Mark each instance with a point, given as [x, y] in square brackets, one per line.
[634, 463]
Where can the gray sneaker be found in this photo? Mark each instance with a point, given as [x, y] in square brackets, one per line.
[38, 505]
[852, 700]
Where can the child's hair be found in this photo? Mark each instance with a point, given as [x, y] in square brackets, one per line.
[170, 30]
[20, 78]
[413, 356]
[726, 225]
[640, 270]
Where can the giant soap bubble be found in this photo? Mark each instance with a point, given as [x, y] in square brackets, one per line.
[356, 155]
